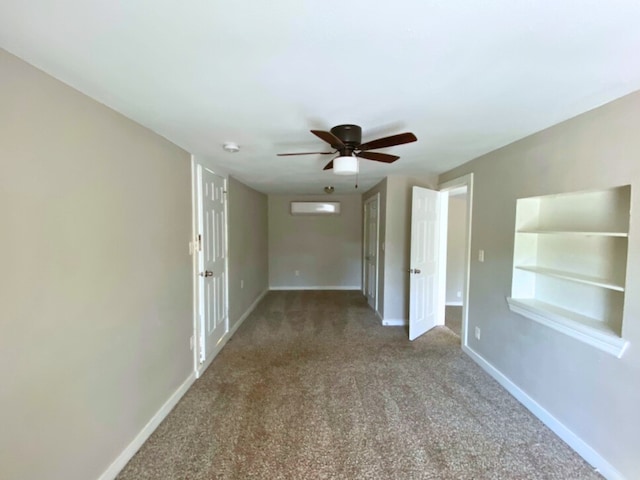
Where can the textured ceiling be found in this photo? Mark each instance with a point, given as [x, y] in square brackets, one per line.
[465, 76]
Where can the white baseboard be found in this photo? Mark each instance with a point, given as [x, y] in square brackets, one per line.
[251, 308]
[223, 341]
[316, 287]
[160, 415]
[395, 322]
[131, 449]
[583, 449]
[453, 304]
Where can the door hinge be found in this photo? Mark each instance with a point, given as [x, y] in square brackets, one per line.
[199, 243]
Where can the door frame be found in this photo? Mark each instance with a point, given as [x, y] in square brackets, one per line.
[374, 198]
[454, 184]
[197, 338]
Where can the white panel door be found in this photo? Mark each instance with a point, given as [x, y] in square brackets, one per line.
[214, 319]
[426, 304]
[371, 208]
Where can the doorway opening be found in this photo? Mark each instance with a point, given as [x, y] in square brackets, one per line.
[456, 227]
[458, 253]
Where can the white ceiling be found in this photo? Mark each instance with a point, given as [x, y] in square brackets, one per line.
[465, 76]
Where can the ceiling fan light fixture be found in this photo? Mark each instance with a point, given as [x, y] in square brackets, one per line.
[347, 165]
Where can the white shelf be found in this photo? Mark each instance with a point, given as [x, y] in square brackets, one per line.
[576, 232]
[574, 277]
[580, 327]
[557, 236]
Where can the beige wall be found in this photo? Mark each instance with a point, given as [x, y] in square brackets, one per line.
[456, 229]
[592, 393]
[248, 253]
[395, 240]
[325, 249]
[95, 284]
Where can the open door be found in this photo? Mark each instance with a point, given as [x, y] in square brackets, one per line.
[212, 265]
[428, 246]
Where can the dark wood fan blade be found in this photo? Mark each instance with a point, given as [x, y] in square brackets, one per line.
[305, 153]
[328, 166]
[389, 141]
[378, 157]
[329, 137]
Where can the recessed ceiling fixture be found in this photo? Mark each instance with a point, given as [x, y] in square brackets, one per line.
[231, 147]
[329, 189]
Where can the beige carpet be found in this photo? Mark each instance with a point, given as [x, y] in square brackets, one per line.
[312, 387]
[453, 318]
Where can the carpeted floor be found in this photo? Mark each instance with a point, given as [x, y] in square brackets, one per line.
[453, 318]
[312, 387]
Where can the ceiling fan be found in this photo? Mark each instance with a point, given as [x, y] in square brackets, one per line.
[347, 141]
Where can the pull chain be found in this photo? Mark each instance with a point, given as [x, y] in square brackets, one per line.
[357, 170]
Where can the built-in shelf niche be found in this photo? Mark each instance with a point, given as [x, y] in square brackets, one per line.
[569, 265]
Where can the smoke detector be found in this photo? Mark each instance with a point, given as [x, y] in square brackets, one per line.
[231, 147]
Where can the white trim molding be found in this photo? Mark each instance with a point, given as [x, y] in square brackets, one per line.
[316, 287]
[131, 449]
[395, 322]
[580, 446]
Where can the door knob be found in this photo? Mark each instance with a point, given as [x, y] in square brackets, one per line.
[206, 273]
[414, 270]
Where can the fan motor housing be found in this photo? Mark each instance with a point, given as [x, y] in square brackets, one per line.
[351, 135]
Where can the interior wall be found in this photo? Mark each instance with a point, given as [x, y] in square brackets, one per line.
[395, 243]
[592, 393]
[248, 248]
[325, 250]
[456, 229]
[96, 278]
